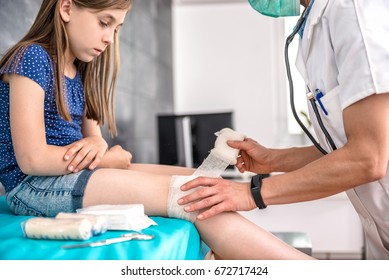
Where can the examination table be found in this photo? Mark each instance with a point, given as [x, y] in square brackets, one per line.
[175, 239]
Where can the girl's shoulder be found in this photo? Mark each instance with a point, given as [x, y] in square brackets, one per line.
[36, 48]
[34, 62]
[35, 58]
[37, 52]
[26, 55]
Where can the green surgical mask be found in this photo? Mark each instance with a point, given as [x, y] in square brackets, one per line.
[276, 8]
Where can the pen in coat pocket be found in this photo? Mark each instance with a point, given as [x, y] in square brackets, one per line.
[319, 96]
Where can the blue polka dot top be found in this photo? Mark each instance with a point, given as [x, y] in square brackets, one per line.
[36, 64]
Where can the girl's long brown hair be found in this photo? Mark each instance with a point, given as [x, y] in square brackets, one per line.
[98, 76]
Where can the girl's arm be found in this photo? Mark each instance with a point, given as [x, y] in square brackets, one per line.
[115, 157]
[89, 151]
[32, 153]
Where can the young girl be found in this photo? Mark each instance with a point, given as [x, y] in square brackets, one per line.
[56, 88]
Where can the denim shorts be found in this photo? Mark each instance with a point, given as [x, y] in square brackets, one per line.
[48, 195]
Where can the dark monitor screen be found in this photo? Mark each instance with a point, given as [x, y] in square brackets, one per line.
[186, 139]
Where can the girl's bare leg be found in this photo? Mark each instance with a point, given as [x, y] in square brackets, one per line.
[162, 169]
[229, 235]
[120, 186]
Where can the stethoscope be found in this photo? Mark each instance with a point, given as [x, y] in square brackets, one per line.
[310, 95]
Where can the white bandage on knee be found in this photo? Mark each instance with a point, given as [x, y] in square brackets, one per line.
[175, 210]
[214, 165]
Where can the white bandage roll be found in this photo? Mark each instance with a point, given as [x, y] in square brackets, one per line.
[99, 222]
[222, 150]
[62, 229]
[213, 166]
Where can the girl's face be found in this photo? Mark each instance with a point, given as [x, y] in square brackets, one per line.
[90, 31]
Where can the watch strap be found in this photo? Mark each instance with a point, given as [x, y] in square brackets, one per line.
[256, 184]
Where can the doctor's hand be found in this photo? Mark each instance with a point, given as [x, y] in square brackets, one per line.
[217, 195]
[253, 156]
[85, 153]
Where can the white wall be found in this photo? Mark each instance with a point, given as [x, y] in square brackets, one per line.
[229, 57]
[225, 58]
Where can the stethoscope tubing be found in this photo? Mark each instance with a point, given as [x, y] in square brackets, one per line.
[289, 40]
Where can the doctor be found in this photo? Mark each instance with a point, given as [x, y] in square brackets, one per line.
[344, 55]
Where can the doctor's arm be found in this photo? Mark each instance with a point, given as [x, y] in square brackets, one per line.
[362, 159]
[258, 159]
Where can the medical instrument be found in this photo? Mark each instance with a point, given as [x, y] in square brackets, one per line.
[108, 241]
[310, 95]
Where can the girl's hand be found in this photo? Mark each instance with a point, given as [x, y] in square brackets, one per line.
[216, 196]
[85, 153]
[116, 157]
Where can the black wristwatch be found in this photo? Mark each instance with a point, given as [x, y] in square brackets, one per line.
[256, 184]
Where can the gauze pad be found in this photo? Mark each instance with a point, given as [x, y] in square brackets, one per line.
[213, 166]
[121, 217]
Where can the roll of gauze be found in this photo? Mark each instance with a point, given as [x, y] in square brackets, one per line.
[213, 166]
[63, 229]
[222, 150]
[99, 222]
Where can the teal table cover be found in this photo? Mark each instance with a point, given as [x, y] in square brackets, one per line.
[175, 239]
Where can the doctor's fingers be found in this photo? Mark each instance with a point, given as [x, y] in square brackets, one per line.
[200, 182]
[241, 165]
[199, 194]
[215, 204]
[245, 144]
[208, 203]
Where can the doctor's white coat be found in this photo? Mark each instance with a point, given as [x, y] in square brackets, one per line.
[344, 52]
